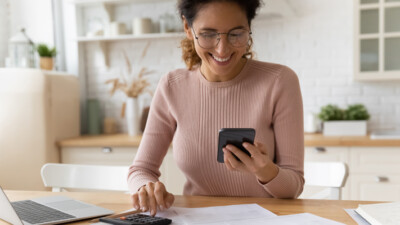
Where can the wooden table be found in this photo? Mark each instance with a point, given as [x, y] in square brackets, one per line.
[330, 209]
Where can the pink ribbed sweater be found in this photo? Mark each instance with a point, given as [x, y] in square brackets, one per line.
[190, 110]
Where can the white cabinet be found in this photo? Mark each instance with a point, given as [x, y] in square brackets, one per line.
[326, 154]
[374, 172]
[171, 176]
[376, 39]
[375, 187]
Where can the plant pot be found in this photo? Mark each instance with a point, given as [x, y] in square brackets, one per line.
[46, 63]
[345, 128]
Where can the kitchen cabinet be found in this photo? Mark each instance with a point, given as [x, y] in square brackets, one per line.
[376, 39]
[171, 176]
[373, 164]
[326, 154]
[373, 171]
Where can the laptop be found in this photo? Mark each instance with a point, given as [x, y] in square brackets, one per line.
[47, 210]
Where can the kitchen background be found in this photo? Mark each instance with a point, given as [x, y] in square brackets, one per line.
[315, 39]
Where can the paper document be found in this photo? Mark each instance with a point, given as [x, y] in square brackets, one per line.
[224, 215]
[238, 215]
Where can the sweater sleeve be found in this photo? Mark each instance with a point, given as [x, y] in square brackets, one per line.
[157, 137]
[287, 122]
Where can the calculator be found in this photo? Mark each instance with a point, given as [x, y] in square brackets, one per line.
[137, 219]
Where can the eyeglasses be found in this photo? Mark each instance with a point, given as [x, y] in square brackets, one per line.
[210, 39]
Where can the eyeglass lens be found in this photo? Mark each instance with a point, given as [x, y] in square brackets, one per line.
[236, 37]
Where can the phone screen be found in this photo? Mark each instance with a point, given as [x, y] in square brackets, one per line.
[234, 136]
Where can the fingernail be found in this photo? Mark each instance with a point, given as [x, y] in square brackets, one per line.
[161, 208]
[143, 209]
[152, 213]
[136, 207]
[245, 144]
[168, 205]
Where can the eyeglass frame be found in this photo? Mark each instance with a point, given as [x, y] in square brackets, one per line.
[219, 37]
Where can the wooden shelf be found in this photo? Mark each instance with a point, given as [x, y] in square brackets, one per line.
[112, 2]
[131, 37]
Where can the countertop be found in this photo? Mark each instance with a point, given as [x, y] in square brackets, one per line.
[310, 140]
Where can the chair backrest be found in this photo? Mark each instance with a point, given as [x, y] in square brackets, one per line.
[330, 175]
[89, 177]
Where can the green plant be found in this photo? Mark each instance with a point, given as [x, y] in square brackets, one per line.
[353, 112]
[331, 112]
[45, 51]
[356, 112]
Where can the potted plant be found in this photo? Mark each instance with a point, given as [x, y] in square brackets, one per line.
[340, 122]
[46, 56]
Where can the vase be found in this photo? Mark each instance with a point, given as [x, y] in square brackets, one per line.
[132, 114]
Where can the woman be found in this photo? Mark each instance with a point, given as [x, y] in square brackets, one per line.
[222, 87]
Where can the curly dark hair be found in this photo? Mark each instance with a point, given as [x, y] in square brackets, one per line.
[189, 8]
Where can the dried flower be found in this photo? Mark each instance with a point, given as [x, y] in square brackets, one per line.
[137, 84]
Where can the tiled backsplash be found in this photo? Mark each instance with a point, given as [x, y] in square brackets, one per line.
[317, 44]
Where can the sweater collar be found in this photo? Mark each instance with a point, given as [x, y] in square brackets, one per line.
[231, 82]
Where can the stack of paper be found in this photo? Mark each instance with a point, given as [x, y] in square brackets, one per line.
[238, 215]
[380, 214]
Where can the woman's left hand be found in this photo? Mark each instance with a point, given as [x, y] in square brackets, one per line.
[258, 163]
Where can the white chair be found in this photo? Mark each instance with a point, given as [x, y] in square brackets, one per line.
[331, 176]
[88, 177]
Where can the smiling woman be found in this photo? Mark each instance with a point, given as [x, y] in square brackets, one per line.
[222, 87]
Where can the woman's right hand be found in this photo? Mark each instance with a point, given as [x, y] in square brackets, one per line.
[152, 196]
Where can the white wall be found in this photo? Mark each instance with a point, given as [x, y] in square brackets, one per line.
[35, 16]
[317, 44]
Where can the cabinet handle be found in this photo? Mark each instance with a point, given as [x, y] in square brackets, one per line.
[381, 179]
[107, 150]
[320, 149]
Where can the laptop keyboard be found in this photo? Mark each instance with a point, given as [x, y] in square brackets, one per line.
[35, 213]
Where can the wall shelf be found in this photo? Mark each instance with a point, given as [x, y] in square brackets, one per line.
[130, 37]
[103, 40]
[114, 2]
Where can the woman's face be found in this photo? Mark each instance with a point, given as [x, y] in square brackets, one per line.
[224, 61]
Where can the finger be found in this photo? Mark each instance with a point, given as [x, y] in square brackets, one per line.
[151, 199]
[240, 154]
[236, 164]
[226, 160]
[159, 191]
[253, 149]
[169, 199]
[135, 201]
[143, 199]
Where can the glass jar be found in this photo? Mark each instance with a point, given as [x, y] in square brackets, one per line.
[21, 51]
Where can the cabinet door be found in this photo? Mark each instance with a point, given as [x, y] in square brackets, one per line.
[375, 187]
[171, 175]
[377, 39]
[326, 154]
[98, 155]
[375, 159]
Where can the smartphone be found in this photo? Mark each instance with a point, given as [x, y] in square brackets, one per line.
[234, 136]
